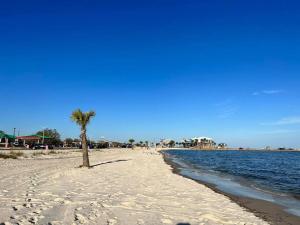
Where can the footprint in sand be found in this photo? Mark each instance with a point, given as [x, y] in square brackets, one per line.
[140, 222]
[24, 222]
[111, 222]
[6, 223]
[166, 221]
[14, 217]
[16, 200]
[92, 218]
[33, 220]
[80, 218]
[17, 207]
[28, 205]
[38, 211]
[55, 223]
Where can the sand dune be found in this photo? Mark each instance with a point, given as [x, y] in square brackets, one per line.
[124, 187]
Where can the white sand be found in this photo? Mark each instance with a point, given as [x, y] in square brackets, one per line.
[136, 187]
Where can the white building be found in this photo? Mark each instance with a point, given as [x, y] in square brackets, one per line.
[167, 143]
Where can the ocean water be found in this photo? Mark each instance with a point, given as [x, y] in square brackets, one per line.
[266, 175]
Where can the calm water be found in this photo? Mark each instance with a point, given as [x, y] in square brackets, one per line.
[271, 176]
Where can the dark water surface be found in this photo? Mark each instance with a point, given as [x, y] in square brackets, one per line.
[267, 175]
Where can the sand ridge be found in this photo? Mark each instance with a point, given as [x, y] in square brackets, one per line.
[124, 187]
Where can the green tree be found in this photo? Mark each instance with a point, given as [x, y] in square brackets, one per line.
[131, 141]
[171, 143]
[52, 136]
[196, 142]
[192, 143]
[82, 119]
[69, 142]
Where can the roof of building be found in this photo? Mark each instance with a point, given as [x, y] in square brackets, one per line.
[33, 137]
[201, 138]
[166, 141]
[3, 135]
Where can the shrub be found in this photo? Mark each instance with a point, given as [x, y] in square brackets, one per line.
[52, 152]
[7, 156]
[38, 153]
[16, 154]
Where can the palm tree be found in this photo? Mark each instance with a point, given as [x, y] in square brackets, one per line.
[83, 119]
[192, 142]
[196, 142]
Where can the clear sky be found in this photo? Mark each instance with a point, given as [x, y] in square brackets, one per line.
[154, 69]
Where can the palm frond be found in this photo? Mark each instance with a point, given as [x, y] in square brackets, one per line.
[88, 116]
[81, 118]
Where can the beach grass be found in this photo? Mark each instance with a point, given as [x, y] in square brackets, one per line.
[11, 155]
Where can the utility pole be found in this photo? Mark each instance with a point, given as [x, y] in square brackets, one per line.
[14, 131]
[43, 136]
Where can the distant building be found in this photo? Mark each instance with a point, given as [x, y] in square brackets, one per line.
[204, 142]
[222, 146]
[30, 139]
[167, 143]
[6, 140]
[187, 143]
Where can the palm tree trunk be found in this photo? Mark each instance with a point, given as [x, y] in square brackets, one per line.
[85, 152]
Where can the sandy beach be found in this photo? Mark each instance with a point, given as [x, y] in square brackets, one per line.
[123, 187]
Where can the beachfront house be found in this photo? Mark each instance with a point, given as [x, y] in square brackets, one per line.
[71, 143]
[187, 143]
[203, 143]
[167, 143]
[33, 139]
[222, 146]
[103, 144]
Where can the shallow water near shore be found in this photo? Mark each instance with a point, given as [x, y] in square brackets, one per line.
[263, 175]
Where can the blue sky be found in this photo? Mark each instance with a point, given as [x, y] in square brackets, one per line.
[154, 69]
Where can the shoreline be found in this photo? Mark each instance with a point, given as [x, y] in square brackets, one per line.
[231, 149]
[269, 212]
